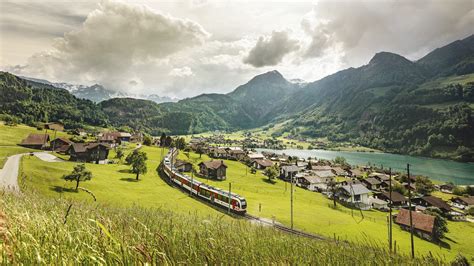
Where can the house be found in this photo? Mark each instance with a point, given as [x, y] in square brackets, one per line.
[423, 224]
[324, 174]
[219, 153]
[463, 203]
[378, 203]
[110, 138]
[432, 201]
[88, 152]
[60, 145]
[236, 154]
[313, 182]
[447, 188]
[287, 172]
[397, 199]
[356, 194]
[36, 141]
[355, 173]
[255, 156]
[371, 183]
[339, 171]
[319, 167]
[54, 126]
[379, 176]
[183, 166]
[261, 163]
[215, 169]
[124, 136]
[350, 182]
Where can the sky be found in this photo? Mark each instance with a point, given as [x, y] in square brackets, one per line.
[185, 48]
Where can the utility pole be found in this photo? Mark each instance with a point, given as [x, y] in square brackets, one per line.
[230, 194]
[390, 210]
[409, 211]
[291, 180]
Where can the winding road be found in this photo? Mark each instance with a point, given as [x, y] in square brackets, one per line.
[9, 172]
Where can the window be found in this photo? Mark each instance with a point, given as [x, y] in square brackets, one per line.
[356, 197]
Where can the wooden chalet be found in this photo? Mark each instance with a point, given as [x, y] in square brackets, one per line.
[397, 199]
[432, 201]
[88, 152]
[262, 164]
[183, 166]
[423, 224]
[36, 141]
[60, 145]
[215, 169]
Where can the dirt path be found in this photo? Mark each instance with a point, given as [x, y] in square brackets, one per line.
[48, 157]
[9, 173]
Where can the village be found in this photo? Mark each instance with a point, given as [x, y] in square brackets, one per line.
[361, 188]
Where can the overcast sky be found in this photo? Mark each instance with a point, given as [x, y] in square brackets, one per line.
[185, 48]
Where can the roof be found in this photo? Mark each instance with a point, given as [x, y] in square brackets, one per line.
[125, 135]
[421, 221]
[372, 181]
[357, 189]
[264, 163]
[396, 196]
[35, 139]
[315, 179]
[380, 176]
[63, 140]
[84, 147]
[290, 168]
[324, 174]
[236, 151]
[377, 201]
[339, 170]
[215, 164]
[356, 172]
[468, 200]
[321, 167]
[179, 163]
[255, 156]
[437, 202]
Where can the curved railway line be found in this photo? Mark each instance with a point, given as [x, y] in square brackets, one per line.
[183, 182]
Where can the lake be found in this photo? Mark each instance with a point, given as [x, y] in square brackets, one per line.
[437, 169]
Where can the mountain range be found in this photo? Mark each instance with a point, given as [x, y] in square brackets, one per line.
[421, 107]
[98, 93]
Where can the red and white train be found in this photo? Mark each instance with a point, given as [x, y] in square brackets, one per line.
[215, 196]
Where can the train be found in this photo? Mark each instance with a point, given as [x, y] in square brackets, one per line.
[213, 195]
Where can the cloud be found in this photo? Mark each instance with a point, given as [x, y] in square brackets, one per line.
[363, 28]
[112, 41]
[269, 51]
[181, 72]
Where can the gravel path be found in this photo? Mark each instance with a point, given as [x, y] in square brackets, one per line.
[9, 173]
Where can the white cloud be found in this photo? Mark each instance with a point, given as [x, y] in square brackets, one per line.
[181, 72]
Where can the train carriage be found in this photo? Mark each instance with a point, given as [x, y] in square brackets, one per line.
[209, 193]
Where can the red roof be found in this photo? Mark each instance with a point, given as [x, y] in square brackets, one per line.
[421, 221]
[36, 139]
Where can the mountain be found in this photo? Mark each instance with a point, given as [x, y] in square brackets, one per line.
[34, 102]
[96, 92]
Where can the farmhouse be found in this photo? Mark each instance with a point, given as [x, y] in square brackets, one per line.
[262, 163]
[236, 154]
[88, 152]
[397, 199]
[339, 171]
[356, 194]
[463, 203]
[60, 145]
[372, 183]
[312, 182]
[379, 176]
[378, 203]
[432, 201]
[447, 188]
[423, 224]
[213, 169]
[354, 173]
[36, 141]
[255, 156]
[287, 172]
[183, 166]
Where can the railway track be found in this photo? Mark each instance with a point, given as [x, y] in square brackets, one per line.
[283, 228]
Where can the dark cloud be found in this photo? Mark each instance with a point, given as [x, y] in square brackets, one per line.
[269, 51]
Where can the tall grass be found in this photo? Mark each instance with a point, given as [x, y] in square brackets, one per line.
[38, 233]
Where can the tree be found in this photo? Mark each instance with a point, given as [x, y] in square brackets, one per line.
[120, 154]
[332, 185]
[180, 143]
[137, 161]
[162, 139]
[423, 185]
[78, 174]
[340, 160]
[440, 224]
[271, 172]
[147, 140]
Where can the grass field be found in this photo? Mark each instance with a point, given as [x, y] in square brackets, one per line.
[313, 214]
[10, 136]
[45, 231]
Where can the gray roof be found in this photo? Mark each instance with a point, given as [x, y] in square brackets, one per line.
[357, 189]
[290, 168]
[326, 173]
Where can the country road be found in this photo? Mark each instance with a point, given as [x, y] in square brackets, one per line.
[9, 172]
